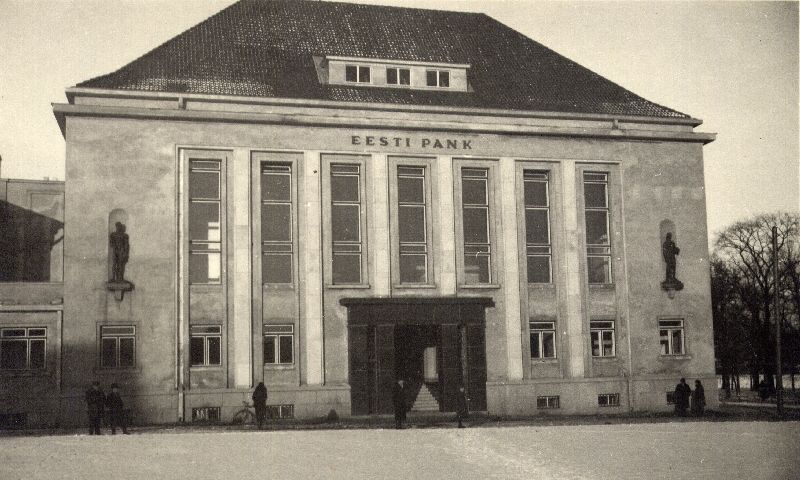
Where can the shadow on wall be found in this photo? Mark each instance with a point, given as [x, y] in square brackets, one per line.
[32, 246]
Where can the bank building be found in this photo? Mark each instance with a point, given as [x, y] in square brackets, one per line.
[327, 197]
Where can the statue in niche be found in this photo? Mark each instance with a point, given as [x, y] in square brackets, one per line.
[670, 251]
[119, 251]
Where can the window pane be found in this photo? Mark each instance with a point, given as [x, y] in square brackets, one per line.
[473, 191]
[596, 227]
[214, 351]
[196, 351]
[444, 79]
[548, 344]
[537, 227]
[476, 225]
[346, 268]
[664, 340]
[539, 269]
[269, 349]
[536, 194]
[204, 185]
[204, 268]
[391, 76]
[405, 76]
[595, 344]
[204, 221]
[476, 268]
[608, 343]
[37, 353]
[277, 268]
[677, 342]
[13, 354]
[535, 353]
[430, 78]
[363, 74]
[286, 349]
[344, 188]
[276, 187]
[109, 352]
[595, 195]
[127, 353]
[412, 268]
[599, 269]
[345, 223]
[411, 190]
[276, 222]
[411, 220]
[350, 73]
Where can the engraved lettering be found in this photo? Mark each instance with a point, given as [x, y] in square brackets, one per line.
[466, 144]
[426, 142]
[438, 144]
[355, 139]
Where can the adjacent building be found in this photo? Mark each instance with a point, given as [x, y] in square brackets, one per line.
[327, 197]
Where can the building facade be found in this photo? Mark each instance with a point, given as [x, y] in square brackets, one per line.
[431, 196]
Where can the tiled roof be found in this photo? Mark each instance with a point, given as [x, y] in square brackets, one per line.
[265, 48]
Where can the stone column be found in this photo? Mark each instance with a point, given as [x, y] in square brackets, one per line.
[446, 258]
[510, 274]
[573, 252]
[240, 277]
[378, 235]
[311, 270]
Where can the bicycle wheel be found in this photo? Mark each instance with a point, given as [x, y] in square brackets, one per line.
[243, 417]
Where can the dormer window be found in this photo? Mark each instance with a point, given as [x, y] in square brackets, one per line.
[398, 76]
[438, 78]
[357, 74]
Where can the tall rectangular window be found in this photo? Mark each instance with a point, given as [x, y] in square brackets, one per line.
[117, 346]
[603, 342]
[475, 217]
[346, 215]
[537, 226]
[276, 223]
[398, 76]
[206, 345]
[278, 344]
[205, 216]
[543, 339]
[23, 348]
[412, 224]
[437, 78]
[357, 74]
[671, 336]
[598, 241]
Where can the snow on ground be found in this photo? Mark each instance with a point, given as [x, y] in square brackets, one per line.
[696, 450]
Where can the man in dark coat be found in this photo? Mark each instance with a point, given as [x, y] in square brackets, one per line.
[682, 395]
[698, 399]
[116, 410]
[462, 406]
[260, 403]
[95, 404]
[399, 401]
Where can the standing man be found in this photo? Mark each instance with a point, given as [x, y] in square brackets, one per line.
[698, 399]
[116, 410]
[462, 406]
[399, 401]
[682, 395]
[260, 404]
[95, 404]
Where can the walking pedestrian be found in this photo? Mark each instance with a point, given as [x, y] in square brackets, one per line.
[399, 401]
[462, 406]
[116, 411]
[763, 390]
[682, 394]
[698, 399]
[260, 404]
[95, 404]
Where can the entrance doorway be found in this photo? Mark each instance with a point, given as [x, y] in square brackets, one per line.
[437, 344]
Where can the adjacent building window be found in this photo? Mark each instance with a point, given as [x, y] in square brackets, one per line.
[598, 242]
[603, 342]
[346, 223]
[276, 223]
[278, 344]
[671, 336]
[608, 400]
[545, 403]
[205, 238]
[23, 348]
[206, 414]
[206, 345]
[398, 76]
[437, 78]
[475, 217]
[543, 339]
[117, 346]
[412, 224]
[537, 226]
[357, 74]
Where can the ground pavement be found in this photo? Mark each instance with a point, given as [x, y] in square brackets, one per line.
[696, 450]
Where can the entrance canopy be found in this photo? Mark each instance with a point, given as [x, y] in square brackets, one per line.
[416, 310]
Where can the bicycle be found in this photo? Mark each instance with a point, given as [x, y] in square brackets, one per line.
[245, 416]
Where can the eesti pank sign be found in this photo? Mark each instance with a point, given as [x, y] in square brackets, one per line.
[423, 142]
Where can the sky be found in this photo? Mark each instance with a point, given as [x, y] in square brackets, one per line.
[732, 64]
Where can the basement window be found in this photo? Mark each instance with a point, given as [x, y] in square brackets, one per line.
[547, 403]
[608, 400]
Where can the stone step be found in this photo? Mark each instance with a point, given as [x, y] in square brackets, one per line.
[425, 401]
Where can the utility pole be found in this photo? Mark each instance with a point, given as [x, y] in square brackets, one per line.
[778, 370]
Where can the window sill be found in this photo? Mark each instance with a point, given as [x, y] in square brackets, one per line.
[480, 286]
[542, 286]
[201, 368]
[602, 286]
[25, 373]
[275, 366]
[606, 359]
[358, 286]
[117, 370]
[277, 286]
[544, 361]
[675, 357]
[414, 286]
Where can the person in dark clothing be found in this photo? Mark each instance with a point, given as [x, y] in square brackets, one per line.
[698, 399]
[399, 401]
[116, 410]
[462, 406]
[682, 394]
[763, 390]
[260, 403]
[95, 404]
